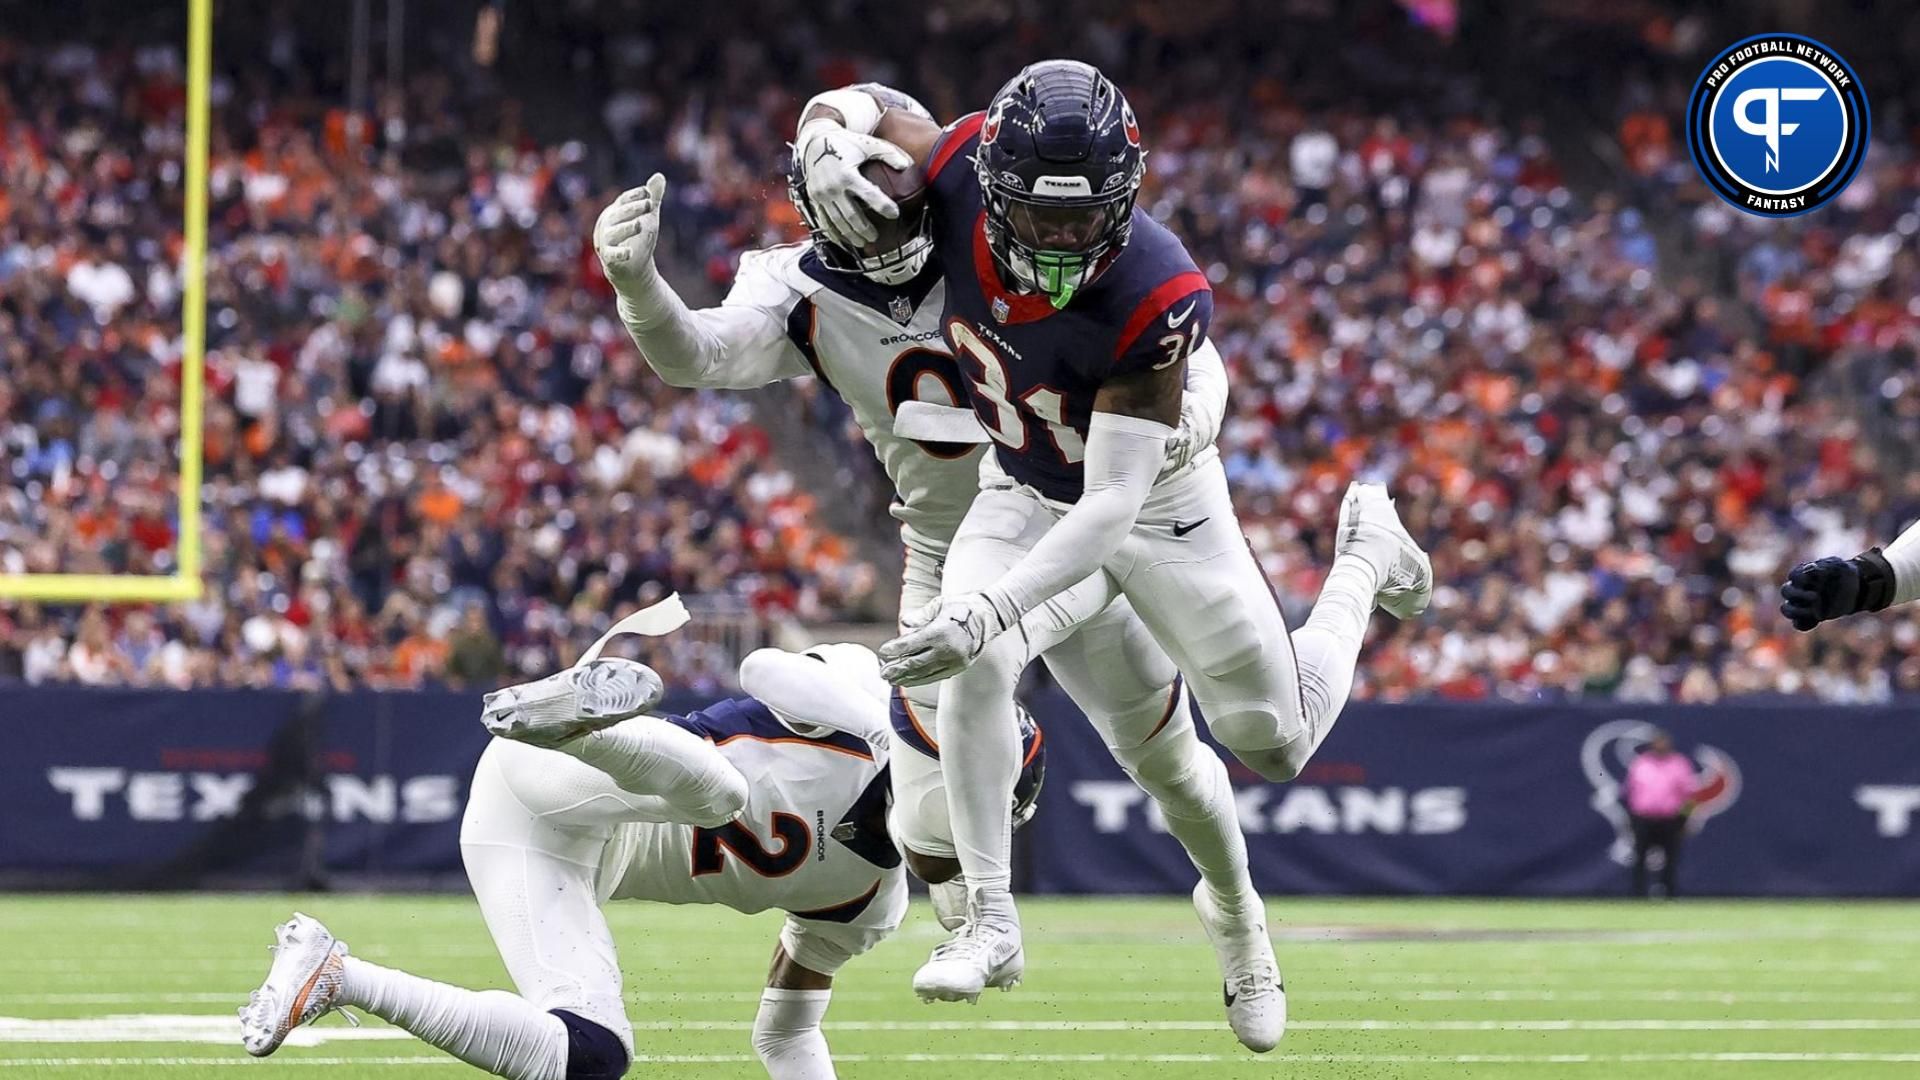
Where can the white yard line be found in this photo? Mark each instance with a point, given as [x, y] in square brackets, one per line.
[1845, 1024]
[223, 1029]
[1521, 994]
[1737, 1057]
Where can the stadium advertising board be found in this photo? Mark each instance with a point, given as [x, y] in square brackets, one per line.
[142, 789]
[1793, 799]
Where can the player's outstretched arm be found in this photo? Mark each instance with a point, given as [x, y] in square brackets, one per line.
[1833, 588]
[739, 345]
[843, 129]
[1133, 417]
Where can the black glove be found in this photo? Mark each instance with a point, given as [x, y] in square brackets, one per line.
[1833, 587]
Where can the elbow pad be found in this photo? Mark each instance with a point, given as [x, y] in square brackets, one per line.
[859, 112]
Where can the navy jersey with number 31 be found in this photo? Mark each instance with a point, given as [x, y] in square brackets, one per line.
[1033, 370]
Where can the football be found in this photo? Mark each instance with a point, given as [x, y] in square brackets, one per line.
[908, 189]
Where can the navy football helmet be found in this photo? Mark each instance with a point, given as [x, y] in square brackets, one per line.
[1033, 768]
[1059, 165]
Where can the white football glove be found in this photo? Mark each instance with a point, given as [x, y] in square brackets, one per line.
[1181, 447]
[940, 640]
[627, 232]
[829, 157]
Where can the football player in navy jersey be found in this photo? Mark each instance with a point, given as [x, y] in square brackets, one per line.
[867, 323]
[1073, 313]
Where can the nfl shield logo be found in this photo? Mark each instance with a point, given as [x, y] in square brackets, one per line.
[901, 309]
[1000, 309]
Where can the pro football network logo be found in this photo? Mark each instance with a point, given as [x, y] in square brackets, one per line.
[1612, 747]
[1778, 124]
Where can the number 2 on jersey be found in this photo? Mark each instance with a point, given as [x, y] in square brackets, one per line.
[1006, 425]
[795, 839]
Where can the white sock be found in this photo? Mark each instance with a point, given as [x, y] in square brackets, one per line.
[786, 1034]
[1328, 646]
[980, 757]
[648, 756]
[494, 1030]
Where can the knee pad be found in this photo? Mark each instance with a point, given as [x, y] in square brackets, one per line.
[1247, 725]
[1183, 777]
[593, 1052]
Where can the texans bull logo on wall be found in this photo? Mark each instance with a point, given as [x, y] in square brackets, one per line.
[1612, 746]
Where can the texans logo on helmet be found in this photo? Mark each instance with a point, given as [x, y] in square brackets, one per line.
[1611, 748]
[990, 127]
[1127, 121]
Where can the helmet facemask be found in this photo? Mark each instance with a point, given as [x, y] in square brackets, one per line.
[1057, 244]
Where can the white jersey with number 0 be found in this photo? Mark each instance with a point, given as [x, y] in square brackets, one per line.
[878, 347]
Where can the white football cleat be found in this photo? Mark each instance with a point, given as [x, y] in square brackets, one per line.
[301, 985]
[575, 702]
[1370, 527]
[984, 952]
[1255, 996]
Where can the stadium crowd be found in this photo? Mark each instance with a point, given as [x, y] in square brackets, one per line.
[434, 457]
[431, 451]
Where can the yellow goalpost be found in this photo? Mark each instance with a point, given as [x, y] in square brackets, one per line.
[184, 583]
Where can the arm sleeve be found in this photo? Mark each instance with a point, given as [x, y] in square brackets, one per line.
[1124, 455]
[1904, 556]
[826, 947]
[741, 344]
[1205, 406]
[833, 687]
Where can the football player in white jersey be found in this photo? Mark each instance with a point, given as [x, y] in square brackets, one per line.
[1833, 587]
[867, 322]
[773, 800]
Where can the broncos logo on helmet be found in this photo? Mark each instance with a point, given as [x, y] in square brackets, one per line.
[1059, 165]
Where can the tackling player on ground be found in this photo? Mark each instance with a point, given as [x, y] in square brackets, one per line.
[1075, 314]
[586, 798]
[866, 320]
[1833, 587]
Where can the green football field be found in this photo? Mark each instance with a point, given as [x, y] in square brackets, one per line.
[146, 987]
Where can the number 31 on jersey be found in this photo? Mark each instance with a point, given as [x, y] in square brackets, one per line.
[1001, 415]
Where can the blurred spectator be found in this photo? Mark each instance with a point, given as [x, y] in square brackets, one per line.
[474, 658]
[419, 391]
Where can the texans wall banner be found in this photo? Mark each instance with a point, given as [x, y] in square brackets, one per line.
[158, 789]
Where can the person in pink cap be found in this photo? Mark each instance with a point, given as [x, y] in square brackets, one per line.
[1659, 795]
